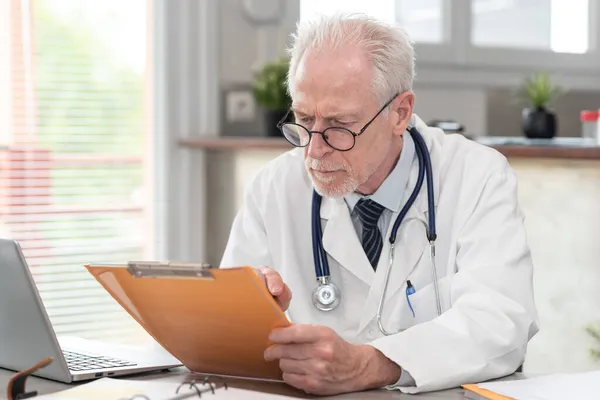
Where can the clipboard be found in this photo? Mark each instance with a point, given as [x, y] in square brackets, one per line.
[215, 321]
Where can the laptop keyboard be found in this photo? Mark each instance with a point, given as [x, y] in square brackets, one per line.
[84, 362]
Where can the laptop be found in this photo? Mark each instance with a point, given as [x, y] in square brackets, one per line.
[27, 336]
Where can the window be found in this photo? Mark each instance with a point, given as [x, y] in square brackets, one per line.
[556, 25]
[421, 18]
[501, 38]
[5, 56]
[73, 180]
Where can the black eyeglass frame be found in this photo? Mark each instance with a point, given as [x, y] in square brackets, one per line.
[281, 124]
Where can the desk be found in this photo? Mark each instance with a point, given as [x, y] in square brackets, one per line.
[44, 386]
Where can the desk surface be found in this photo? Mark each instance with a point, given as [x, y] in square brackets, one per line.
[44, 386]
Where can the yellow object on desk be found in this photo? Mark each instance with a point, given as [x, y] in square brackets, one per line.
[485, 393]
[580, 386]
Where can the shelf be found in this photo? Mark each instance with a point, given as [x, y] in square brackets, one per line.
[570, 148]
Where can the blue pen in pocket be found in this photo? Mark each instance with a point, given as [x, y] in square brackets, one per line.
[410, 289]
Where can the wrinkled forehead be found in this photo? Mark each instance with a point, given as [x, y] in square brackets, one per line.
[332, 76]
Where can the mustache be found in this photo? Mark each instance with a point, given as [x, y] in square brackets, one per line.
[324, 165]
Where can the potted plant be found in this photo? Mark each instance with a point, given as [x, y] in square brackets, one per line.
[270, 92]
[538, 120]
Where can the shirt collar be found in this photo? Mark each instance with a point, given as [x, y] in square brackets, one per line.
[389, 194]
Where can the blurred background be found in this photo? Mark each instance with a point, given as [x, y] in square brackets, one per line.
[128, 129]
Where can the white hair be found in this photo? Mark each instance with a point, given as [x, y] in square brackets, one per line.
[387, 47]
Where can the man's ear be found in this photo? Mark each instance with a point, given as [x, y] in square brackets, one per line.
[403, 106]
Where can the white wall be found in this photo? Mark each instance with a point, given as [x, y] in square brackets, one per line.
[467, 106]
[245, 45]
[560, 202]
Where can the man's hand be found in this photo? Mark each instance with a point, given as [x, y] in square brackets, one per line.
[315, 359]
[278, 289]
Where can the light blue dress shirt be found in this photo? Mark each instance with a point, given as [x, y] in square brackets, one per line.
[389, 195]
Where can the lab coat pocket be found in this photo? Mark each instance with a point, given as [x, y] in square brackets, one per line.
[424, 300]
[396, 314]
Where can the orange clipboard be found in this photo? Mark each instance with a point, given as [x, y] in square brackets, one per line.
[215, 321]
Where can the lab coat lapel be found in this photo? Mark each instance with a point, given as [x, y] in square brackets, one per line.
[340, 240]
[411, 243]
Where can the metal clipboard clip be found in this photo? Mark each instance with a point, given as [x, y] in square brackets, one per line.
[170, 269]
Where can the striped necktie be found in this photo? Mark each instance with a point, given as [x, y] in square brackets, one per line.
[369, 212]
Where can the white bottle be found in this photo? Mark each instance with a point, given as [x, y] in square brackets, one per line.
[589, 124]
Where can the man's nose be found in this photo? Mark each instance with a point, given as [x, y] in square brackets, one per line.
[317, 147]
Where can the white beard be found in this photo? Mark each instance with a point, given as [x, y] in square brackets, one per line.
[325, 185]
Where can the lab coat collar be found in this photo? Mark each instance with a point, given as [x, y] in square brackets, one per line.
[434, 151]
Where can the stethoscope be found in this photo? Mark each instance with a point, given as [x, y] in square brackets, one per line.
[327, 296]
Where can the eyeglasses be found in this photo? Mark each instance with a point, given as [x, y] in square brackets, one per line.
[339, 138]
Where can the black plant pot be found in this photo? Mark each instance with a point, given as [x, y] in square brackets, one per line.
[539, 123]
[272, 117]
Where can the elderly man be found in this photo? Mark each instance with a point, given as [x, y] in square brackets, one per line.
[318, 223]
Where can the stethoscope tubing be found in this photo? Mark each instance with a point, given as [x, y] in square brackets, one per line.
[420, 143]
[316, 238]
[413, 195]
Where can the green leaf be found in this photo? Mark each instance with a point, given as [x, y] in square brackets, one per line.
[538, 90]
[270, 86]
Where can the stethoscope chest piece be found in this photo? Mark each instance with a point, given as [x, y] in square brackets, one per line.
[326, 296]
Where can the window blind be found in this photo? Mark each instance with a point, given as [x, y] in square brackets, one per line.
[74, 184]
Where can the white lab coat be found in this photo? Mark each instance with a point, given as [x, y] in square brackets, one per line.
[483, 263]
